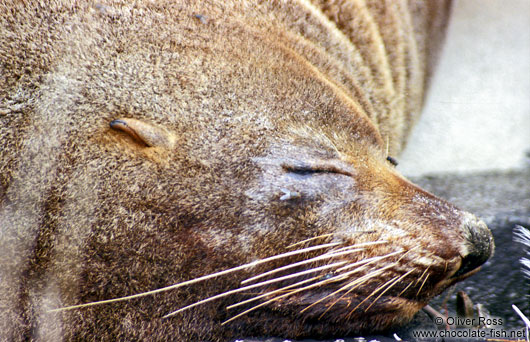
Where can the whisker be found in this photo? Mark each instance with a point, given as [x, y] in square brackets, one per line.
[421, 287]
[355, 285]
[406, 288]
[330, 254]
[329, 280]
[373, 293]
[310, 239]
[388, 288]
[196, 280]
[231, 292]
[326, 281]
[424, 272]
[344, 275]
[352, 285]
[359, 245]
[318, 258]
[368, 261]
[273, 292]
[390, 284]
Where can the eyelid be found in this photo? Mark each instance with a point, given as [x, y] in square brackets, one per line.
[316, 168]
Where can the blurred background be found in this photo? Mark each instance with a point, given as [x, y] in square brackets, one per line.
[477, 111]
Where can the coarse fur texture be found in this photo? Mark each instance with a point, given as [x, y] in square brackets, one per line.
[151, 143]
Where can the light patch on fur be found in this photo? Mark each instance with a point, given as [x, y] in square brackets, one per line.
[261, 120]
[275, 180]
[393, 230]
[49, 325]
[218, 238]
[33, 180]
[426, 261]
[386, 229]
[72, 230]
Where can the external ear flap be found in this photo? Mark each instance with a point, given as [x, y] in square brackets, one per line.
[144, 133]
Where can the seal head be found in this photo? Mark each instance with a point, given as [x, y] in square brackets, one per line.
[223, 161]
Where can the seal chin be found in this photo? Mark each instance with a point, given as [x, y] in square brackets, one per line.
[375, 313]
[384, 316]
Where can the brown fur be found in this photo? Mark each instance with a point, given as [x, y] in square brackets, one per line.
[226, 108]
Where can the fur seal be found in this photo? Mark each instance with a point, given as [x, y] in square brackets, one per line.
[236, 152]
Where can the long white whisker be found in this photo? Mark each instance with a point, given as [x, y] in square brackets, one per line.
[329, 280]
[318, 258]
[360, 245]
[389, 282]
[377, 290]
[406, 288]
[422, 284]
[231, 292]
[367, 261]
[282, 296]
[421, 277]
[353, 283]
[273, 292]
[388, 288]
[310, 239]
[328, 254]
[196, 280]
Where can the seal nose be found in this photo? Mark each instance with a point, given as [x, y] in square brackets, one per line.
[479, 244]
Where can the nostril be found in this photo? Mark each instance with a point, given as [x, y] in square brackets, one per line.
[479, 243]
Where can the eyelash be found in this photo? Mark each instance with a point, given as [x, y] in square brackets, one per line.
[392, 161]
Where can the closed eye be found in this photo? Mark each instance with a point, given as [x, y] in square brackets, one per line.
[305, 169]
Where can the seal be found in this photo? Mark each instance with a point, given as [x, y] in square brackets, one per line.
[209, 170]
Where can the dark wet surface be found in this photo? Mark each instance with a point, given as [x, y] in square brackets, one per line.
[502, 200]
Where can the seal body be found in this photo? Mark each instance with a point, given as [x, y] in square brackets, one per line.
[247, 136]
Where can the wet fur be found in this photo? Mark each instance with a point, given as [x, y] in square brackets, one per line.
[244, 98]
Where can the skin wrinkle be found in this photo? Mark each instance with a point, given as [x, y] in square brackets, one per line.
[327, 54]
[355, 108]
[377, 57]
[343, 80]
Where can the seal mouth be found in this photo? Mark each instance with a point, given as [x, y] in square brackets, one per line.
[458, 276]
